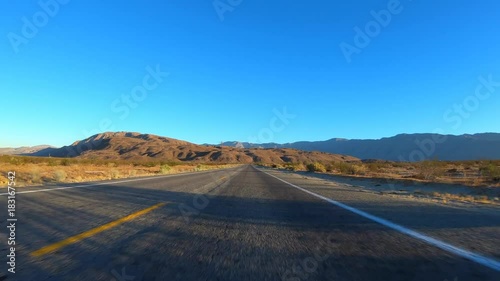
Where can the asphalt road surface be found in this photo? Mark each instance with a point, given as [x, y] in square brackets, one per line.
[242, 224]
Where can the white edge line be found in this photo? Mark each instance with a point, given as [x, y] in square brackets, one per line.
[108, 183]
[488, 262]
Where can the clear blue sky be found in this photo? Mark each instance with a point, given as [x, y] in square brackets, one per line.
[227, 74]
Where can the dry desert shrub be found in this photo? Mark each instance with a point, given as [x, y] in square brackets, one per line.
[491, 171]
[165, 169]
[132, 173]
[430, 170]
[60, 175]
[344, 168]
[360, 169]
[316, 167]
[114, 174]
[35, 176]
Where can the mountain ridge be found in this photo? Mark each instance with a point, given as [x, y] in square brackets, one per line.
[22, 149]
[137, 146]
[403, 147]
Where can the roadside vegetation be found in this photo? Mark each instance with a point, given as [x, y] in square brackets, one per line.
[51, 170]
[444, 181]
[472, 173]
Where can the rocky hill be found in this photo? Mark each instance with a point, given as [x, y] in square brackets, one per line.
[136, 146]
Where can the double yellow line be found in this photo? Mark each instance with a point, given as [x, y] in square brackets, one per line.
[77, 238]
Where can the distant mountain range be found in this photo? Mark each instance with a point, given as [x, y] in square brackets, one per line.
[22, 150]
[136, 146]
[404, 147]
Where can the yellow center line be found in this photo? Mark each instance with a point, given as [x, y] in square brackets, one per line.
[74, 239]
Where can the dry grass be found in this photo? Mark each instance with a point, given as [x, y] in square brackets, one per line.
[440, 180]
[445, 197]
[39, 171]
[60, 176]
[469, 173]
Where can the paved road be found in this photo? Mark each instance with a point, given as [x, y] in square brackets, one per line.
[238, 224]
